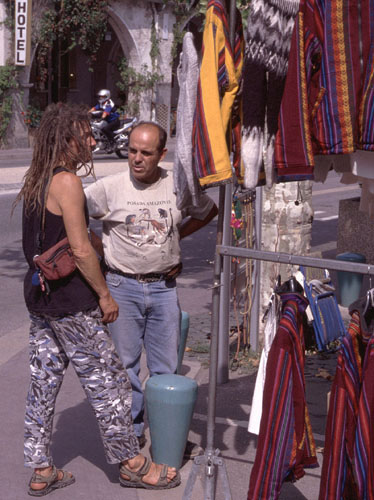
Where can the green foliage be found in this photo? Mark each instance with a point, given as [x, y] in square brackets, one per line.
[8, 81]
[80, 23]
[185, 10]
[135, 83]
[10, 9]
[32, 116]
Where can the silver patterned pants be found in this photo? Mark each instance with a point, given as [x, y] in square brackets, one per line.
[83, 340]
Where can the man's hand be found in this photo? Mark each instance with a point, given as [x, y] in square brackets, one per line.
[109, 308]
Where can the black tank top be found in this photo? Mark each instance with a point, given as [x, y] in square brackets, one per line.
[68, 295]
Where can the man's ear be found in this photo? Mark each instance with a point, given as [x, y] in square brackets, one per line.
[164, 151]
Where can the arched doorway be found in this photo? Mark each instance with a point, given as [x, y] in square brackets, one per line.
[70, 78]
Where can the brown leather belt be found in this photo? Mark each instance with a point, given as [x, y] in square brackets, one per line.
[150, 277]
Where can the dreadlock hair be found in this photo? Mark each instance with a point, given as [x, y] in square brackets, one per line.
[60, 124]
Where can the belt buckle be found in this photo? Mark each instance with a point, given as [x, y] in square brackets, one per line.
[140, 278]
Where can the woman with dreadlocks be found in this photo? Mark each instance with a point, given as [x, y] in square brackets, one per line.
[68, 324]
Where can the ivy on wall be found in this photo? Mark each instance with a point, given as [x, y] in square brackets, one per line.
[135, 83]
[8, 81]
[80, 23]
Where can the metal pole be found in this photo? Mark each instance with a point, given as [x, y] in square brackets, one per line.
[210, 458]
[209, 467]
[224, 309]
[297, 260]
[255, 311]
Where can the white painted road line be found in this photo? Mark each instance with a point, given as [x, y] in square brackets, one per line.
[337, 190]
[331, 217]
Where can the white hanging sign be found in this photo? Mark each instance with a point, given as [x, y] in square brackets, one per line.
[22, 32]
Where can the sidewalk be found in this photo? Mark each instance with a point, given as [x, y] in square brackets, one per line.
[76, 442]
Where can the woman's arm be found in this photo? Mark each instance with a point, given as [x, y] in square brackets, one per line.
[67, 196]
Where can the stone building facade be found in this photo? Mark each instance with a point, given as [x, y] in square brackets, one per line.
[128, 35]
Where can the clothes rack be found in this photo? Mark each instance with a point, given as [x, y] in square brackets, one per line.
[214, 465]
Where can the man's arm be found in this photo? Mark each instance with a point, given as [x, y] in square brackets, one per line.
[191, 224]
[97, 243]
[66, 190]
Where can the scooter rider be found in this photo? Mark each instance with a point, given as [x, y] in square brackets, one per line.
[110, 115]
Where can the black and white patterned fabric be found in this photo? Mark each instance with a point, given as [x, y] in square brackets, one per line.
[85, 341]
[267, 46]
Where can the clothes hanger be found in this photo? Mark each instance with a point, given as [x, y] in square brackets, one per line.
[289, 286]
[276, 285]
[369, 297]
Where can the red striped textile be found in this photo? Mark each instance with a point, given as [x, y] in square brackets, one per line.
[285, 443]
[348, 460]
[327, 105]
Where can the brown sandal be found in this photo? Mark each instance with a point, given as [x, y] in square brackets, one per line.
[136, 478]
[51, 482]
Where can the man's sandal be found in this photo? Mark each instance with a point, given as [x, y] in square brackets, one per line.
[51, 482]
[136, 478]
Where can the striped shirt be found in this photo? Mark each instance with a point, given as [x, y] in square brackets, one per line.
[285, 443]
[348, 460]
[217, 88]
[327, 105]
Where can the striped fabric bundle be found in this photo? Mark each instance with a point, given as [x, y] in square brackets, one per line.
[218, 85]
[285, 443]
[327, 105]
[348, 460]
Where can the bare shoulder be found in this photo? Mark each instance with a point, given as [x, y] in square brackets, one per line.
[66, 183]
[65, 191]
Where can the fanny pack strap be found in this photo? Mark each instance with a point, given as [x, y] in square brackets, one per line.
[41, 233]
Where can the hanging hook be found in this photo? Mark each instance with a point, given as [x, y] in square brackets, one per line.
[370, 278]
[290, 264]
[299, 198]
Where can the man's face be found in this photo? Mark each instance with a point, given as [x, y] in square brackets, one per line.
[144, 155]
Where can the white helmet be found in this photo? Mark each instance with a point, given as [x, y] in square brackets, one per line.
[103, 95]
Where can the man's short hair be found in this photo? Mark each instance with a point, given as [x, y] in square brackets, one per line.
[162, 134]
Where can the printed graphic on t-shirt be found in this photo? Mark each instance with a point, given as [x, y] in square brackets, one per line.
[149, 224]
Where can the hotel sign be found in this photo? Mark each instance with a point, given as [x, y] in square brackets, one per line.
[22, 32]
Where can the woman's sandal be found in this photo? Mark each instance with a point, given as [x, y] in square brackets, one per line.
[51, 482]
[136, 478]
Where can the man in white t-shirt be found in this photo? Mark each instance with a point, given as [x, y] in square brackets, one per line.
[142, 228]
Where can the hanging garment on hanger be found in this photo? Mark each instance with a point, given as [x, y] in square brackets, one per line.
[270, 330]
[285, 444]
[327, 101]
[348, 459]
[186, 185]
[218, 86]
[268, 39]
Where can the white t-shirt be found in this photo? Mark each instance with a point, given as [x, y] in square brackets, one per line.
[140, 221]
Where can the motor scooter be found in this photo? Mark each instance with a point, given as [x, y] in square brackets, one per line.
[119, 144]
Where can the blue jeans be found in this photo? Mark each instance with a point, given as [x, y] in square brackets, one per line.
[149, 315]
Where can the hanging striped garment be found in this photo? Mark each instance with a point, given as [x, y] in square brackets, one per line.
[327, 105]
[285, 443]
[348, 460]
[218, 85]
